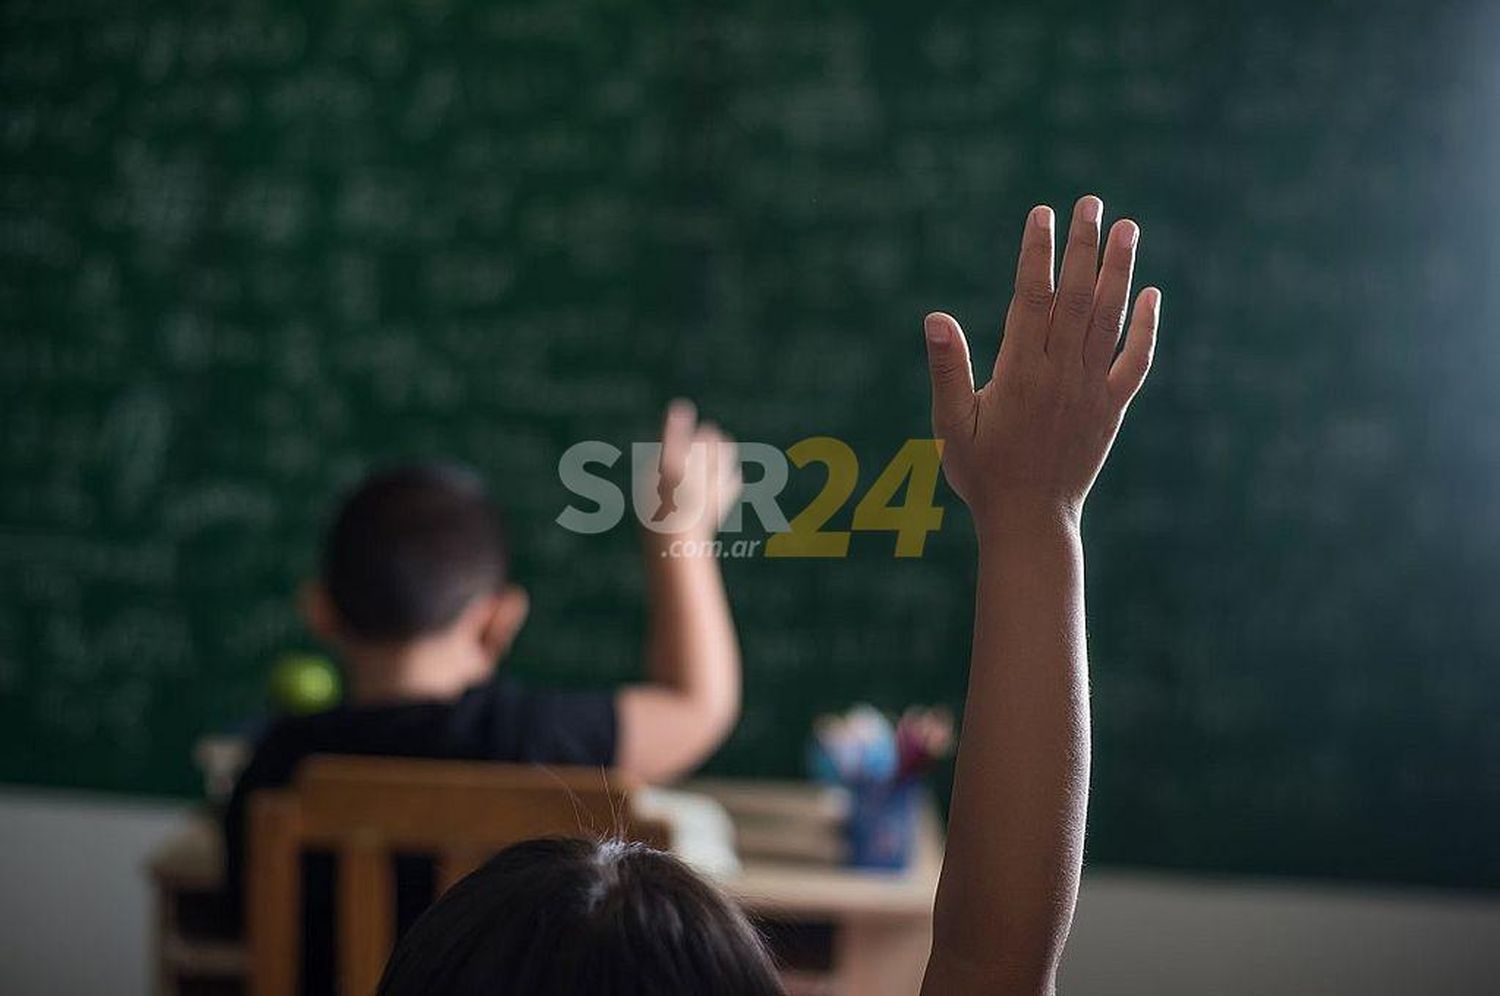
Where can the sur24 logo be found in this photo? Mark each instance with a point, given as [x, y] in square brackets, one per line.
[911, 473]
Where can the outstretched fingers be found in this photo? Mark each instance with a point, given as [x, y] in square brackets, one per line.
[1111, 296]
[1129, 370]
[1031, 306]
[1075, 286]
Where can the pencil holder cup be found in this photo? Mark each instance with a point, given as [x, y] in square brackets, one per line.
[882, 825]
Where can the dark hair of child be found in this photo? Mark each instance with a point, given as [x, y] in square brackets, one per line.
[572, 917]
[410, 548]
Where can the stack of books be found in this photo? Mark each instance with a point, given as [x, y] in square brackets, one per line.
[782, 821]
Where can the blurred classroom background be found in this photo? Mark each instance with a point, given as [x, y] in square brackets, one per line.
[249, 250]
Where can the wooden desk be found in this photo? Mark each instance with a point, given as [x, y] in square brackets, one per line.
[838, 931]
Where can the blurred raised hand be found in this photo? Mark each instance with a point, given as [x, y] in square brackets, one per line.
[697, 476]
[691, 699]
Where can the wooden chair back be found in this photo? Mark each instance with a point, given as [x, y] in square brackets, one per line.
[365, 810]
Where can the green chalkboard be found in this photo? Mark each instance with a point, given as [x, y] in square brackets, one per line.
[249, 250]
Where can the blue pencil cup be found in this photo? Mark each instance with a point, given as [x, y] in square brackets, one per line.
[882, 825]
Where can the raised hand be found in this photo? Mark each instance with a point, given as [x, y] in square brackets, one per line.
[1023, 451]
[697, 476]
[670, 723]
[1033, 439]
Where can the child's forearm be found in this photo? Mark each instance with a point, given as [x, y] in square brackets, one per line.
[1023, 451]
[691, 645]
[692, 698]
[1021, 787]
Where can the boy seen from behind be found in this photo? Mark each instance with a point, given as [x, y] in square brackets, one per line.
[416, 598]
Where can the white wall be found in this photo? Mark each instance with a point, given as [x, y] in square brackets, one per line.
[75, 916]
[1147, 935]
[75, 919]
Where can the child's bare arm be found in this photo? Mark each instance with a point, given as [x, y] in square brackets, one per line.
[671, 724]
[1023, 452]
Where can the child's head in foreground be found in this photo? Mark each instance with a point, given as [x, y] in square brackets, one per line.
[561, 917]
[415, 578]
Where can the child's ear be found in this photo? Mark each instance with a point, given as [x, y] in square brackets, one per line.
[507, 614]
[318, 612]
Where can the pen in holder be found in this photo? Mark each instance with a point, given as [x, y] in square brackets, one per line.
[881, 765]
[882, 824]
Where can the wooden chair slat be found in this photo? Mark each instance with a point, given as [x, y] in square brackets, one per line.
[366, 911]
[274, 895]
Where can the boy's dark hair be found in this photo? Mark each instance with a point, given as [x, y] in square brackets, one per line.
[410, 548]
[561, 917]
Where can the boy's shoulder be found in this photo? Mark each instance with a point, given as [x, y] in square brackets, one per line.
[287, 740]
[415, 728]
[398, 728]
[499, 720]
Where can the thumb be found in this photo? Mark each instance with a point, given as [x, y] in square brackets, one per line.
[676, 437]
[952, 376]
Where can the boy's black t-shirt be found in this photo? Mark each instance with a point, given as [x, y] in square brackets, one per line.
[496, 721]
